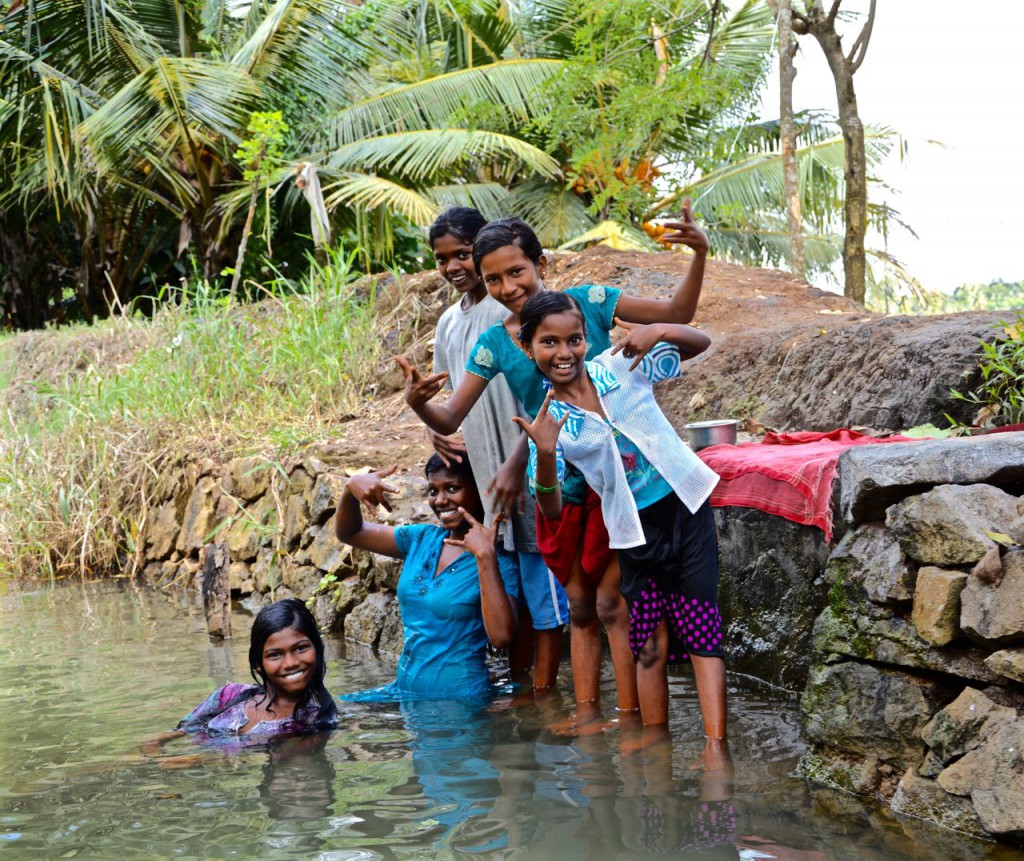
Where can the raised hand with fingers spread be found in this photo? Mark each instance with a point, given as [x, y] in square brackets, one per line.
[638, 341]
[479, 540]
[419, 389]
[371, 490]
[686, 232]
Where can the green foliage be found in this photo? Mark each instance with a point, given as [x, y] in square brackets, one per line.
[641, 92]
[85, 439]
[906, 296]
[1000, 396]
[265, 145]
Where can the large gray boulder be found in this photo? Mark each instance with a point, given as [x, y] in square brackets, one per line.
[771, 591]
[869, 565]
[874, 477]
[993, 613]
[887, 639]
[948, 524]
[869, 711]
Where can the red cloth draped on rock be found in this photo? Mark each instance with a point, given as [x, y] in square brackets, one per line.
[788, 474]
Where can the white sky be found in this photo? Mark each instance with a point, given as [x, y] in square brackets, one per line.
[952, 72]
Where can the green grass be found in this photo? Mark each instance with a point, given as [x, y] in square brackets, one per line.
[85, 438]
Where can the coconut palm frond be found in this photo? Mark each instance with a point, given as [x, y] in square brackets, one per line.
[512, 84]
[614, 234]
[364, 191]
[740, 43]
[421, 154]
[491, 198]
[554, 212]
[183, 96]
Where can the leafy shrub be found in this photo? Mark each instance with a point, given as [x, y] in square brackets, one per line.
[1000, 396]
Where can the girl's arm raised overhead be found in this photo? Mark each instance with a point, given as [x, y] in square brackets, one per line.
[682, 307]
[349, 525]
[419, 390]
[639, 340]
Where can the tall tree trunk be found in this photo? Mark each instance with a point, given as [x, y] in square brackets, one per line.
[823, 28]
[783, 10]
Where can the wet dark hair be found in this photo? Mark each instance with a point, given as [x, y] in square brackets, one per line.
[507, 231]
[280, 616]
[462, 470]
[458, 470]
[462, 222]
[542, 305]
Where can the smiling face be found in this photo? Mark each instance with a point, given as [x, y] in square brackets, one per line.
[559, 347]
[446, 493]
[511, 277]
[454, 259]
[289, 661]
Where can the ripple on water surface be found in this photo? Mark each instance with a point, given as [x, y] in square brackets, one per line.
[89, 671]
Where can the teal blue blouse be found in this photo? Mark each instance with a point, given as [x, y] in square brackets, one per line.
[496, 353]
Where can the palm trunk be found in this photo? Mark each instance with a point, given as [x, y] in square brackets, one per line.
[843, 67]
[787, 137]
[245, 238]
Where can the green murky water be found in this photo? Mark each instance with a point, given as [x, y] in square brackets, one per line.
[89, 672]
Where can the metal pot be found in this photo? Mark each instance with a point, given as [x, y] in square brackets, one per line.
[703, 434]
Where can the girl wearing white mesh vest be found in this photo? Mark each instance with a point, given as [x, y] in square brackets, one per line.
[601, 416]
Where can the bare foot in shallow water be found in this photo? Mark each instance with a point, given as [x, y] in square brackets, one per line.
[588, 720]
[648, 736]
[716, 756]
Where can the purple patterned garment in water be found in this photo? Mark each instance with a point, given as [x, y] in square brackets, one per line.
[223, 713]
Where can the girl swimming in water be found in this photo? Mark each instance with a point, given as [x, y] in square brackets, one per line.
[286, 658]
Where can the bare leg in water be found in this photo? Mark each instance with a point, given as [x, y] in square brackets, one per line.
[589, 607]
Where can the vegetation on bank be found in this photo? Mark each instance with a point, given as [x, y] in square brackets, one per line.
[108, 406]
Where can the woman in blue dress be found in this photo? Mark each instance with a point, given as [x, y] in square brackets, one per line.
[457, 589]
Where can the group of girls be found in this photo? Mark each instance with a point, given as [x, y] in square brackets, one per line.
[623, 521]
[622, 535]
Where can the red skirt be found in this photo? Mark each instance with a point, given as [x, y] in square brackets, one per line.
[577, 533]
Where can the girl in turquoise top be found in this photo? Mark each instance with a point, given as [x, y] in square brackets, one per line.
[511, 261]
[457, 590]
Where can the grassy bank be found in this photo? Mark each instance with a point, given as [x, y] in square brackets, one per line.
[92, 415]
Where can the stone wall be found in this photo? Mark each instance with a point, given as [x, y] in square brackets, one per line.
[916, 682]
[276, 521]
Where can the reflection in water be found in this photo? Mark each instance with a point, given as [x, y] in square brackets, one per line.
[87, 673]
[298, 778]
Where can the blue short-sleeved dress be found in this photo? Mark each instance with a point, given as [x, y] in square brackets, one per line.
[445, 650]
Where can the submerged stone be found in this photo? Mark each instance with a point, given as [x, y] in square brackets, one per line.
[922, 798]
